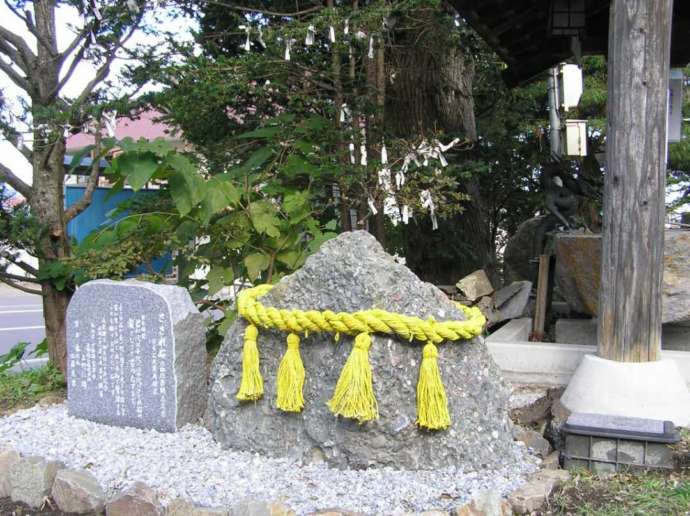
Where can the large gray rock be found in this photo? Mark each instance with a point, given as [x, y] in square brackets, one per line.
[349, 273]
[578, 273]
[136, 355]
[8, 458]
[31, 480]
[78, 491]
[137, 500]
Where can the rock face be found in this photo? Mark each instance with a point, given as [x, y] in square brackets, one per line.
[349, 273]
[578, 271]
[524, 246]
[136, 355]
[78, 491]
[31, 480]
[475, 285]
[8, 458]
[137, 500]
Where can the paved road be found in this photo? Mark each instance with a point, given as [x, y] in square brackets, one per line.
[21, 318]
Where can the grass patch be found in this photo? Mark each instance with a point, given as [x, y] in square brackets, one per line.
[649, 493]
[27, 387]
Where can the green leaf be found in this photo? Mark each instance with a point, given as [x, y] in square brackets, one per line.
[78, 156]
[220, 194]
[264, 219]
[186, 187]
[230, 316]
[137, 167]
[295, 201]
[296, 165]
[218, 277]
[255, 263]
[257, 158]
[292, 259]
[186, 231]
[331, 225]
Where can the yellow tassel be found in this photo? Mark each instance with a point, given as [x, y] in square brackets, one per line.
[252, 385]
[432, 404]
[354, 393]
[290, 379]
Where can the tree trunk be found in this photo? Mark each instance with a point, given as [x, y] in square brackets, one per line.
[633, 237]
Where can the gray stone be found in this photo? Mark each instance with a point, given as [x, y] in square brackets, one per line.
[552, 460]
[8, 458]
[524, 247]
[578, 268]
[78, 491]
[533, 494]
[511, 301]
[260, 508]
[349, 273]
[31, 480]
[137, 500]
[486, 503]
[181, 507]
[533, 440]
[336, 512]
[136, 355]
[475, 285]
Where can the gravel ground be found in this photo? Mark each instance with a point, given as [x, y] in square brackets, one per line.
[192, 465]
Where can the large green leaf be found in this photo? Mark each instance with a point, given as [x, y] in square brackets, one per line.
[137, 168]
[218, 277]
[256, 263]
[264, 218]
[220, 194]
[263, 132]
[257, 158]
[186, 187]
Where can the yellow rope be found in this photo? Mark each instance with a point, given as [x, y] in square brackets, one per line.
[354, 394]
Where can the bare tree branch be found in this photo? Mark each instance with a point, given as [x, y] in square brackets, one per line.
[14, 76]
[28, 21]
[19, 263]
[13, 284]
[26, 58]
[103, 71]
[91, 183]
[263, 11]
[13, 137]
[17, 277]
[15, 181]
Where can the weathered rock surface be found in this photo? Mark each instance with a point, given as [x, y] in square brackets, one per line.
[487, 503]
[8, 458]
[31, 480]
[475, 285]
[349, 273]
[526, 245]
[532, 439]
[137, 500]
[511, 301]
[260, 508]
[578, 271]
[78, 491]
[532, 495]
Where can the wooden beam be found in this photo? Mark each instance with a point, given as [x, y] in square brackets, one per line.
[629, 327]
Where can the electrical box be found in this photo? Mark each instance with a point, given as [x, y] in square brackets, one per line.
[606, 444]
[575, 138]
[570, 86]
[675, 105]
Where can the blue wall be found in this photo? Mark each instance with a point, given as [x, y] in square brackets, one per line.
[96, 216]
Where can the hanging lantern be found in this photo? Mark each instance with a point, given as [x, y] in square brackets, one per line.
[567, 17]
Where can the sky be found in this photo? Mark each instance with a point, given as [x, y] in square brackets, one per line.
[68, 21]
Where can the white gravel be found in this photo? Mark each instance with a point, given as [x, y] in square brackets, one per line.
[190, 464]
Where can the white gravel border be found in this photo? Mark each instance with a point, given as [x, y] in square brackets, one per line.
[191, 465]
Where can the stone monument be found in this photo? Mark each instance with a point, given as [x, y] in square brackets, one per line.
[136, 355]
[349, 273]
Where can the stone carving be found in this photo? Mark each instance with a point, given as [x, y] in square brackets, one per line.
[136, 355]
[350, 273]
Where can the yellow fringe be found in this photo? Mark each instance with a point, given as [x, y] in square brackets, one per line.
[432, 404]
[252, 385]
[290, 380]
[354, 393]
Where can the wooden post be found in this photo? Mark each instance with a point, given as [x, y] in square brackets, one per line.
[541, 304]
[633, 235]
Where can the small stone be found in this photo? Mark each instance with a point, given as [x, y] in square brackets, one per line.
[512, 300]
[551, 461]
[137, 500]
[181, 507]
[532, 439]
[8, 458]
[475, 285]
[532, 495]
[49, 400]
[78, 491]
[260, 508]
[31, 480]
[487, 503]
[335, 512]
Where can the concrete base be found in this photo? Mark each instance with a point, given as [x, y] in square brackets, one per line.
[654, 390]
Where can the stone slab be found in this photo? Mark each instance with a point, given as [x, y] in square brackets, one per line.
[475, 285]
[31, 480]
[78, 491]
[136, 355]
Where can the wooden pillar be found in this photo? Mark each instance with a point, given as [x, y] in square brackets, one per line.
[633, 236]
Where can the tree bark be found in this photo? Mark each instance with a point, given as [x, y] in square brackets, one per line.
[633, 236]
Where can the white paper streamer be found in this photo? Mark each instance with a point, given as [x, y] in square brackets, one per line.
[247, 46]
[360, 34]
[132, 6]
[428, 203]
[288, 47]
[331, 33]
[372, 205]
[309, 39]
[352, 153]
[363, 148]
[110, 121]
[346, 29]
[406, 212]
[384, 154]
[371, 47]
[261, 37]
[97, 12]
